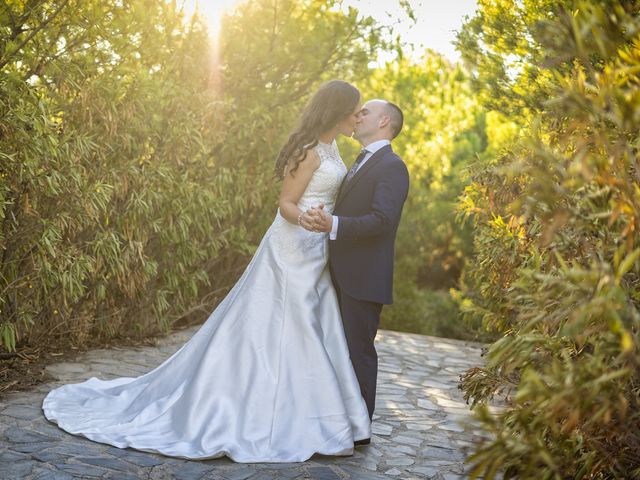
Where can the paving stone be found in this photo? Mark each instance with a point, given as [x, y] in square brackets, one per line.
[444, 464]
[437, 452]
[16, 469]
[419, 426]
[377, 440]
[11, 456]
[322, 473]
[263, 476]
[82, 471]
[138, 458]
[47, 474]
[19, 435]
[403, 460]
[371, 450]
[408, 440]
[391, 388]
[23, 412]
[192, 470]
[425, 471]
[47, 456]
[451, 426]
[395, 449]
[107, 462]
[370, 464]
[418, 429]
[391, 397]
[427, 404]
[7, 422]
[380, 428]
[358, 474]
[212, 476]
[240, 474]
[396, 406]
[452, 476]
[47, 428]
[281, 466]
[161, 472]
[289, 472]
[31, 447]
[122, 476]
[390, 368]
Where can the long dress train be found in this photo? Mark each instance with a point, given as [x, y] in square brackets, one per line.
[267, 377]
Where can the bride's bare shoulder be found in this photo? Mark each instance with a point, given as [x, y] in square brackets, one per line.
[309, 163]
[311, 160]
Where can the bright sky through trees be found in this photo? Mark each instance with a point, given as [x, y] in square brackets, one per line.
[434, 28]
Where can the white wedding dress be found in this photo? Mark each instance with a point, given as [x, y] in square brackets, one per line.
[267, 378]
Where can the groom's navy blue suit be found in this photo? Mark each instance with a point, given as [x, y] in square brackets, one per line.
[368, 208]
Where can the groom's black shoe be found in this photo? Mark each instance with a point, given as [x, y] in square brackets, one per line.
[364, 441]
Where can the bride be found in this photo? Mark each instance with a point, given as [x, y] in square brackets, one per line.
[267, 377]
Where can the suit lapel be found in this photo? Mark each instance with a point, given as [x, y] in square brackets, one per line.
[347, 186]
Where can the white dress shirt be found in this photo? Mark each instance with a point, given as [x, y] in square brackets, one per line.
[371, 149]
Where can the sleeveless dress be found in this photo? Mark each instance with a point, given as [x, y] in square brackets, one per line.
[267, 377]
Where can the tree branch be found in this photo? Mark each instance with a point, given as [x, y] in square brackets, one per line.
[40, 27]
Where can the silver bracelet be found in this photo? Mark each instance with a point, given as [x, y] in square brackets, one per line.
[300, 218]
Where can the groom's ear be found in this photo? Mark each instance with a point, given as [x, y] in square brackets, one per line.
[384, 121]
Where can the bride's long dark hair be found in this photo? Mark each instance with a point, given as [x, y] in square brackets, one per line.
[334, 101]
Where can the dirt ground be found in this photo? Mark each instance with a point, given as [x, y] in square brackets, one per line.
[25, 368]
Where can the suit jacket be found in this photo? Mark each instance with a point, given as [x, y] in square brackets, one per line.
[369, 208]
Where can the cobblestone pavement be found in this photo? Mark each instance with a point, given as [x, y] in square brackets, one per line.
[422, 427]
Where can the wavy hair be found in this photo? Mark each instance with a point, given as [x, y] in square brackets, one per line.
[334, 101]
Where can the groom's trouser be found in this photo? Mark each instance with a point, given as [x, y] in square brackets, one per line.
[361, 319]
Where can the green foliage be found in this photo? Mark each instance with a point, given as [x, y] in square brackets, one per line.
[556, 242]
[426, 311]
[135, 171]
[105, 113]
[444, 131]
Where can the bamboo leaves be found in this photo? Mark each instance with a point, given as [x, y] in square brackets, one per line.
[132, 186]
[568, 302]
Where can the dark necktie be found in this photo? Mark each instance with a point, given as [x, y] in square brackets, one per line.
[354, 167]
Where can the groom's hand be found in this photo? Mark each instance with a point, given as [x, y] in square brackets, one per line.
[306, 221]
[321, 220]
[309, 220]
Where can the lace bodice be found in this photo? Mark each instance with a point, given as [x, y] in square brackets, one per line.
[325, 182]
[295, 245]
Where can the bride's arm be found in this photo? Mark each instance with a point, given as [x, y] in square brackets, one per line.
[294, 185]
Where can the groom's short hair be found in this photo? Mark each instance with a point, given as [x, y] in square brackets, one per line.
[396, 118]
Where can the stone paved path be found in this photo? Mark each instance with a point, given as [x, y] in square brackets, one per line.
[422, 427]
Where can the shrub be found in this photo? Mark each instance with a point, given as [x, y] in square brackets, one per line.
[556, 240]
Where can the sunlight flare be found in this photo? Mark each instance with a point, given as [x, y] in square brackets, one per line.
[211, 12]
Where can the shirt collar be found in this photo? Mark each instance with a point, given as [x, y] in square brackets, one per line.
[377, 145]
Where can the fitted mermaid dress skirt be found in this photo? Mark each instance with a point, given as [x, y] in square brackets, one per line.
[267, 377]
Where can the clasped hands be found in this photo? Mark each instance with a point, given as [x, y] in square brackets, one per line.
[317, 219]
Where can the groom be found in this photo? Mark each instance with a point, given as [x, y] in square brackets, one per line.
[362, 232]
